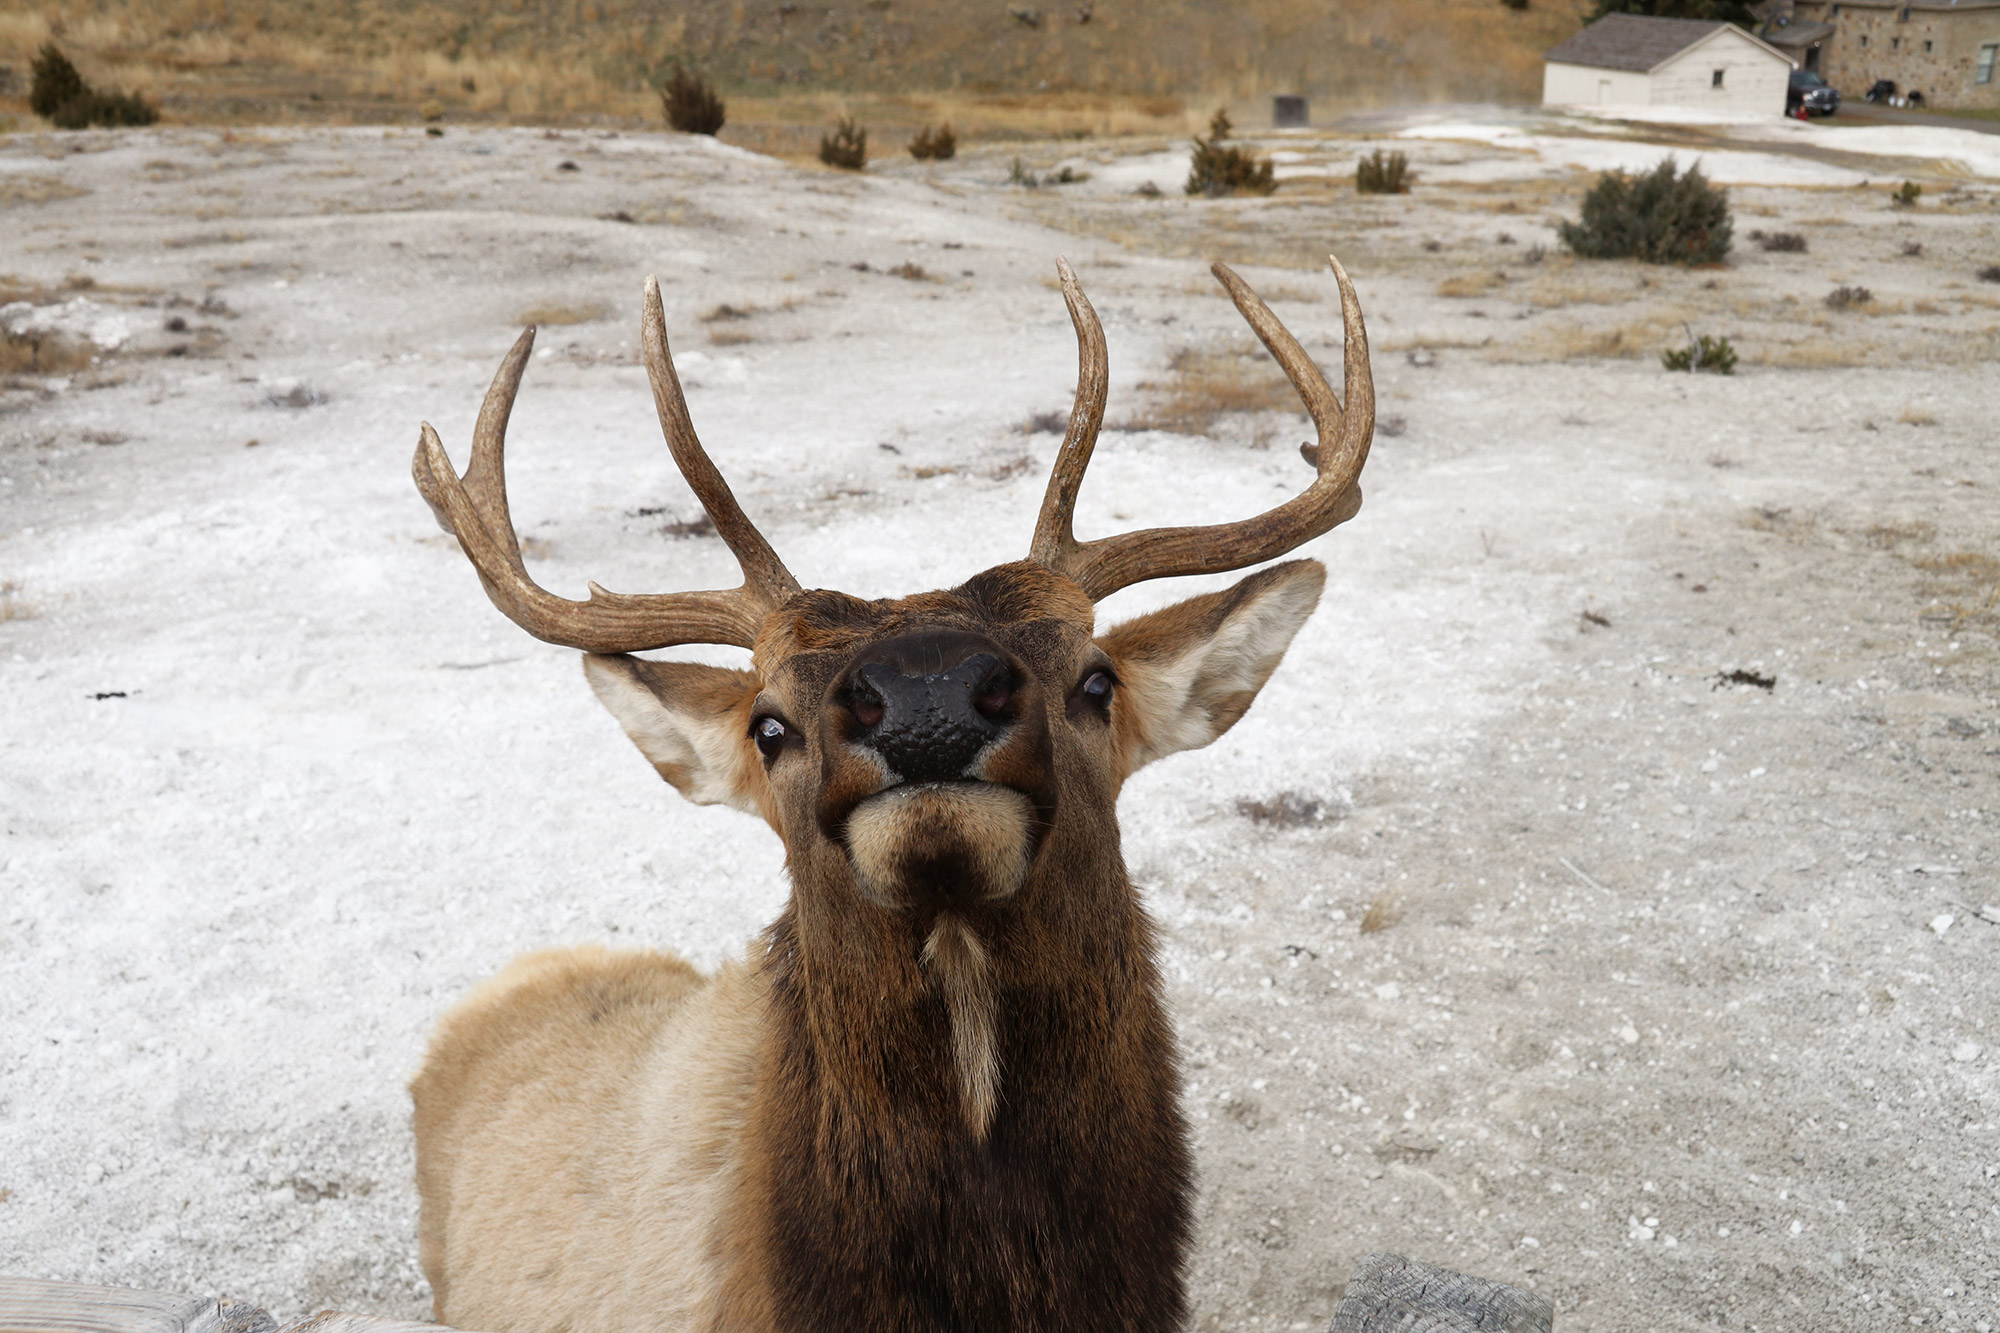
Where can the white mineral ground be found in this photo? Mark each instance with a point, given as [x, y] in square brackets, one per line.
[1686, 1011]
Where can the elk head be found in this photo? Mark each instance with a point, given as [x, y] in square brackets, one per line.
[943, 768]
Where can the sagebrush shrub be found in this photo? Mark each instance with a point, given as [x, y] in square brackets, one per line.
[1383, 173]
[1844, 297]
[1906, 194]
[690, 104]
[60, 93]
[55, 81]
[939, 145]
[846, 147]
[1663, 216]
[1217, 170]
[1714, 356]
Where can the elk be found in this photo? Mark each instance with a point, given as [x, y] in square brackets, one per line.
[941, 1090]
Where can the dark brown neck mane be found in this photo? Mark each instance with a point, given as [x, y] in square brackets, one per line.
[888, 1212]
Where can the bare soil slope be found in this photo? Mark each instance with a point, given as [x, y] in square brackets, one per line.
[370, 61]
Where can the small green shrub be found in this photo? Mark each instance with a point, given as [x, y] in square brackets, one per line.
[846, 147]
[55, 81]
[59, 93]
[1844, 297]
[690, 104]
[1216, 170]
[939, 145]
[1781, 242]
[1383, 173]
[1663, 217]
[1714, 356]
[1991, 273]
[1906, 194]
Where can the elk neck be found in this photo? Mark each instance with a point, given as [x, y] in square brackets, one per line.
[874, 1019]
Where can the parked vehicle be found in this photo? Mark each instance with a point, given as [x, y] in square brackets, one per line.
[1810, 93]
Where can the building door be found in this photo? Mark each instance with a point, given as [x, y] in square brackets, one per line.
[1812, 57]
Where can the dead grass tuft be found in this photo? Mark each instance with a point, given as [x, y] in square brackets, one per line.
[563, 314]
[1206, 384]
[1962, 591]
[1814, 354]
[47, 353]
[1480, 283]
[1384, 912]
[18, 190]
[1916, 416]
[1890, 536]
[12, 607]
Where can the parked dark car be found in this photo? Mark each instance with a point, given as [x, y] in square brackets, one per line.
[1809, 90]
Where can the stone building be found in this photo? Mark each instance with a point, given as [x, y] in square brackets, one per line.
[1629, 60]
[1949, 52]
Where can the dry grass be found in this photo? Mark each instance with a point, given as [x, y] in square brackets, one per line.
[1207, 384]
[44, 353]
[579, 60]
[564, 314]
[1916, 416]
[11, 605]
[18, 190]
[1813, 354]
[1618, 342]
[1561, 282]
[1480, 283]
[1962, 590]
[1385, 911]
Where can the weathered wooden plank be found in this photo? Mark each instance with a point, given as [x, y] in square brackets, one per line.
[29, 1305]
[1391, 1294]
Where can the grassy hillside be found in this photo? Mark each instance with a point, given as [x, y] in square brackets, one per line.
[561, 60]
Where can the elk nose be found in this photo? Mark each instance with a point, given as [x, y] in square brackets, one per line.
[929, 727]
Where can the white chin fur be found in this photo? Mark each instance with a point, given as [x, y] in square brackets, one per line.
[898, 839]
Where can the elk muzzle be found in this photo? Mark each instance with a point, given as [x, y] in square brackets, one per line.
[927, 712]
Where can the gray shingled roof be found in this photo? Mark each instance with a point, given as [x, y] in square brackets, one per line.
[1631, 41]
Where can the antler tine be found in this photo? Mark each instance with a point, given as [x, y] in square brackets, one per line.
[486, 475]
[764, 575]
[1102, 567]
[474, 508]
[1055, 534]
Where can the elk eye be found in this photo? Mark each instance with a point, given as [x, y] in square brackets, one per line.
[1097, 688]
[770, 736]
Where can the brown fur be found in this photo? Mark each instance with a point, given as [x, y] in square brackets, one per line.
[941, 1092]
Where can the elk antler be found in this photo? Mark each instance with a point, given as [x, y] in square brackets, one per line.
[1103, 566]
[474, 508]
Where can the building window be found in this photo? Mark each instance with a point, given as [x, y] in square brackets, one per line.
[1986, 57]
[1895, 43]
[1864, 40]
[1927, 47]
[1715, 79]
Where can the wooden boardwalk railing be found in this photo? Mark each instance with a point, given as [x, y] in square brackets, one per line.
[1388, 1294]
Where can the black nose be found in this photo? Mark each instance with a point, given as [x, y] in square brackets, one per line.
[928, 726]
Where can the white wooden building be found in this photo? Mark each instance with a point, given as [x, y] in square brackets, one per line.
[1628, 60]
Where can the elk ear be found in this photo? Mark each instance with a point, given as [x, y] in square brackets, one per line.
[692, 722]
[1188, 672]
